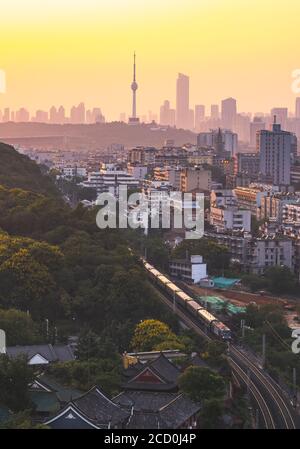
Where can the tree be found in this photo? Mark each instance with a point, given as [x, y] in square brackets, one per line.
[19, 327]
[211, 413]
[106, 373]
[281, 280]
[15, 376]
[150, 334]
[91, 346]
[201, 384]
[215, 255]
[22, 420]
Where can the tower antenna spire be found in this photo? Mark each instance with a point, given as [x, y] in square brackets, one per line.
[134, 119]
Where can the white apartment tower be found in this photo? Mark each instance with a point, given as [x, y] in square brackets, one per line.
[275, 148]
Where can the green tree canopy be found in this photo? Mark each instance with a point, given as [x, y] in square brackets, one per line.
[15, 376]
[19, 327]
[201, 384]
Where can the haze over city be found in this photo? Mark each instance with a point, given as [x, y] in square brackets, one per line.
[150, 218]
[68, 52]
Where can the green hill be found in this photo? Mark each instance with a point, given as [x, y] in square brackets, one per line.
[18, 171]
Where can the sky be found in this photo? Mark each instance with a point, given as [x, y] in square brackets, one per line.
[68, 51]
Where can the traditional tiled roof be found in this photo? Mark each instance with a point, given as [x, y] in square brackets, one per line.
[164, 373]
[144, 400]
[51, 353]
[64, 394]
[100, 409]
[156, 410]
[178, 411]
[70, 417]
[145, 420]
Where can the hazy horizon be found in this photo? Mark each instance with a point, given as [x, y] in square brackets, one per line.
[67, 52]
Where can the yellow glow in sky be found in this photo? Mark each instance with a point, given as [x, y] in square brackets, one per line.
[68, 51]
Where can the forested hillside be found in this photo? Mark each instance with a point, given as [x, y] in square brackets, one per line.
[56, 264]
[18, 171]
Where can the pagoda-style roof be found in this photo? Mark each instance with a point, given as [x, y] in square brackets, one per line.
[156, 375]
[157, 410]
[70, 417]
[100, 409]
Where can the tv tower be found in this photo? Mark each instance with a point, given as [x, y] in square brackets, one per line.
[133, 120]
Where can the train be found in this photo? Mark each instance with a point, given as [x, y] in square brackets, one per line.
[218, 328]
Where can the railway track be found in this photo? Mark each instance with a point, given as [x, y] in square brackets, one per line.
[273, 405]
[285, 417]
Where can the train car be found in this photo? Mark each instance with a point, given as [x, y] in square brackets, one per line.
[155, 272]
[216, 327]
[206, 316]
[193, 307]
[221, 330]
[183, 297]
[164, 280]
[148, 266]
[173, 289]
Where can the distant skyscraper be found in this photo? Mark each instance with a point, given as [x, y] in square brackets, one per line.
[281, 116]
[6, 115]
[167, 115]
[61, 115]
[182, 102]
[77, 114]
[275, 152]
[134, 87]
[53, 115]
[22, 115]
[199, 114]
[97, 116]
[214, 112]
[242, 127]
[40, 117]
[297, 111]
[191, 123]
[255, 126]
[228, 113]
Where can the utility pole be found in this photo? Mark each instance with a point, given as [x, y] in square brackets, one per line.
[263, 350]
[243, 328]
[47, 327]
[174, 302]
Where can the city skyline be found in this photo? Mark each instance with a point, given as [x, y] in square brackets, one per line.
[48, 59]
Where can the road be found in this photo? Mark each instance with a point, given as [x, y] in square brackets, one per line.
[274, 407]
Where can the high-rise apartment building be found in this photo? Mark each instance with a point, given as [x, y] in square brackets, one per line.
[167, 115]
[256, 125]
[275, 150]
[214, 112]
[281, 116]
[199, 115]
[182, 102]
[228, 113]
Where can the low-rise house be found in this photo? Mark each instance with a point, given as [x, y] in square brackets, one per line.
[191, 270]
[42, 354]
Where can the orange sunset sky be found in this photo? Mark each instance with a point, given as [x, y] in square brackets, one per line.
[68, 51]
